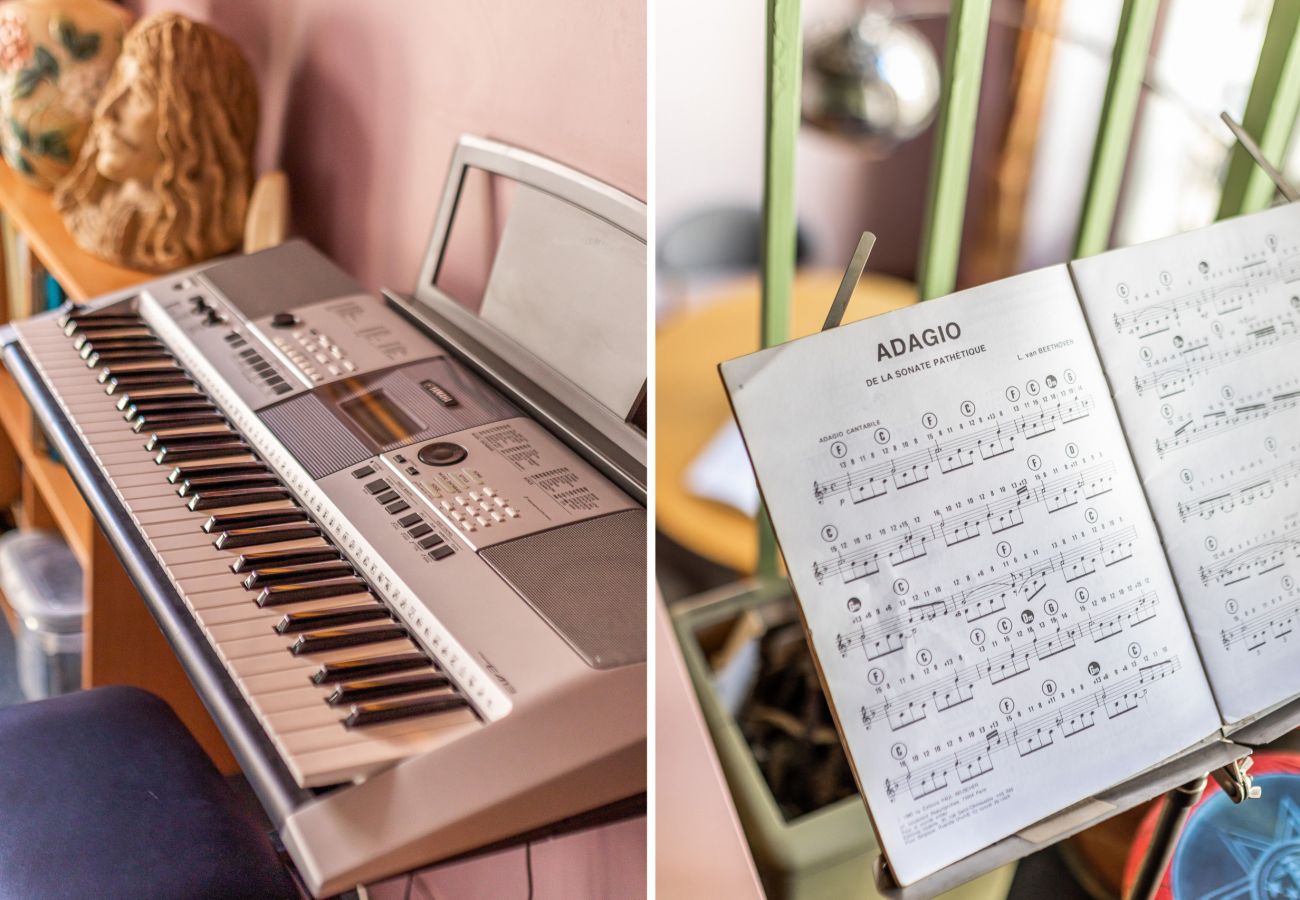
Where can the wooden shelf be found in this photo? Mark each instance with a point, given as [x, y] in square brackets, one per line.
[83, 276]
[52, 480]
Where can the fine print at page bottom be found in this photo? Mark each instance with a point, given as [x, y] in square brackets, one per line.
[982, 583]
[1200, 335]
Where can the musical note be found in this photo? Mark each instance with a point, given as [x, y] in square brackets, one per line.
[951, 455]
[1034, 733]
[1258, 486]
[1260, 555]
[1225, 298]
[1275, 621]
[1173, 374]
[1219, 421]
[1000, 516]
[948, 691]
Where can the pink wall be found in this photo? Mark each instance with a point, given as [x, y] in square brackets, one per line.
[362, 103]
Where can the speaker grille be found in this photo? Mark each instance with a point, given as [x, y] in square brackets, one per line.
[324, 440]
[588, 581]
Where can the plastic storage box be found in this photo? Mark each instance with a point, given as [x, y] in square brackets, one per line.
[41, 579]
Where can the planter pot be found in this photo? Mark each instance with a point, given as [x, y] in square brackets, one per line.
[55, 58]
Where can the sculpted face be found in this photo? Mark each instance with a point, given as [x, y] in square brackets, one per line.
[164, 179]
[127, 142]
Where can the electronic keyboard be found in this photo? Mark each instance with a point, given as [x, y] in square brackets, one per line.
[409, 584]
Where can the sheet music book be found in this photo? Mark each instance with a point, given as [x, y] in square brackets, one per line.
[1043, 532]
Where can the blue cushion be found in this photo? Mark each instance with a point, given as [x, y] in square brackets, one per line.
[104, 793]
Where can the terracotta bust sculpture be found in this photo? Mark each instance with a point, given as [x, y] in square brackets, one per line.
[164, 178]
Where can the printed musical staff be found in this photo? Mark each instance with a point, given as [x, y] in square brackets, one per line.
[1260, 557]
[1035, 733]
[1174, 374]
[952, 455]
[990, 597]
[1216, 300]
[1244, 491]
[1216, 422]
[952, 689]
[1274, 623]
[991, 518]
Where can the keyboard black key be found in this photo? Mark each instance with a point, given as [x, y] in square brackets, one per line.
[340, 638]
[120, 318]
[320, 571]
[294, 622]
[178, 382]
[140, 367]
[224, 499]
[280, 594]
[177, 420]
[182, 474]
[361, 691]
[171, 392]
[95, 358]
[391, 710]
[249, 562]
[228, 521]
[117, 386]
[181, 454]
[103, 319]
[134, 337]
[144, 406]
[192, 486]
[213, 438]
[185, 437]
[140, 337]
[143, 346]
[89, 332]
[119, 383]
[270, 534]
[350, 669]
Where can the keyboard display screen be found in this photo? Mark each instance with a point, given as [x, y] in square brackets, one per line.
[384, 421]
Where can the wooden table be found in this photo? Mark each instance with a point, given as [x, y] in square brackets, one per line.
[691, 407]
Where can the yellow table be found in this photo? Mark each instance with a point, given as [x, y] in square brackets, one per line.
[691, 406]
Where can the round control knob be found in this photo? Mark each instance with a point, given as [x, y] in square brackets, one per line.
[443, 453]
[284, 320]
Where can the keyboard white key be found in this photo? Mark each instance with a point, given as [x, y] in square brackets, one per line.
[317, 746]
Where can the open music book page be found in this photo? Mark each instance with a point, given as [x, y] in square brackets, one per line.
[1200, 337]
[979, 575]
